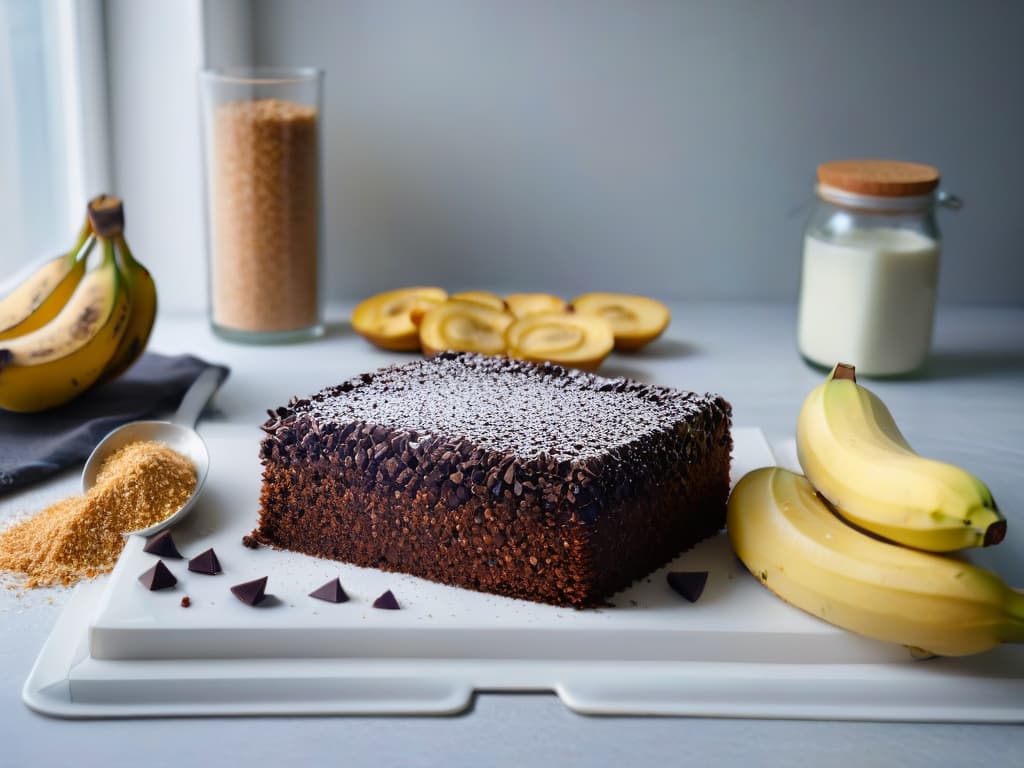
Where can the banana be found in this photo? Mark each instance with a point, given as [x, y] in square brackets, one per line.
[40, 296]
[107, 217]
[56, 363]
[856, 457]
[142, 315]
[789, 539]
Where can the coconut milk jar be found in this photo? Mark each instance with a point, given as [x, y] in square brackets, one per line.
[870, 266]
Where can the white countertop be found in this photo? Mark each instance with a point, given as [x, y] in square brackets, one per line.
[966, 407]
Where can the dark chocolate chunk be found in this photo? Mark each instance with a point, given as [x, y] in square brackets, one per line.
[162, 545]
[250, 592]
[331, 592]
[689, 584]
[205, 562]
[158, 577]
[387, 601]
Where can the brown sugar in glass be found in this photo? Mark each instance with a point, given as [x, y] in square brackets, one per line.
[262, 132]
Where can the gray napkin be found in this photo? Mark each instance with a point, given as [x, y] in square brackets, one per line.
[35, 445]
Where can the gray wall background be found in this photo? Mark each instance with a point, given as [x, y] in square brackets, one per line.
[666, 148]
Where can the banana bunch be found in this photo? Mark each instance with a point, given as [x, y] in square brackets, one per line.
[856, 541]
[66, 328]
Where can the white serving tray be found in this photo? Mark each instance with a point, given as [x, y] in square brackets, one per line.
[119, 650]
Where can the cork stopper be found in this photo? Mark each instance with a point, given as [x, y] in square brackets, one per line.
[879, 178]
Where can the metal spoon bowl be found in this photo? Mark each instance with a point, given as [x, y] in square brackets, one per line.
[178, 434]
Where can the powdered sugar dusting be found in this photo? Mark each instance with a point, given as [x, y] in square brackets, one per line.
[506, 405]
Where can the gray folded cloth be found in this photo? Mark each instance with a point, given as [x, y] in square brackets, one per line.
[36, 445]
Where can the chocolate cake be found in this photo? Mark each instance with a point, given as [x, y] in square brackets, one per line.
[526, 480]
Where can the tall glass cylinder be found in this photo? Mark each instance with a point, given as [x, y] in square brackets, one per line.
[262, 132]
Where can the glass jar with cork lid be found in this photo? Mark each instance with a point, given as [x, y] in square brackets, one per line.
[871, 266]
[263, 188]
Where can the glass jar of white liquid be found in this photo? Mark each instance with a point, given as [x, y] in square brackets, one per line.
[871, 266]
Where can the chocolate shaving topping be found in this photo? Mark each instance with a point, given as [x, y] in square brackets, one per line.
[387, 602]
[158, 577]
[480, 400]
[251, 592]
[162, 545]
[205, 562]
[689, 584]
[332, 592]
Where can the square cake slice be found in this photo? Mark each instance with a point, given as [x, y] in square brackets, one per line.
[531, 481]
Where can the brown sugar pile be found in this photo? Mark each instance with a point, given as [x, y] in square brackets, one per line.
[81, 536]
[265, 209]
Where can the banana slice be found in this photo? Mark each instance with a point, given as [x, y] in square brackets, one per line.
[483, 298]
[526, 304]
[386, 319]
[635, 320]
[574, 340]
[463, 326]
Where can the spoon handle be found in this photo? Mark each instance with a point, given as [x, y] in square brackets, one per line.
[198, 395]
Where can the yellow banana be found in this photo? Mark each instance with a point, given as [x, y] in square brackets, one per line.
[855, 456]
[788, 538]
[107, 217]
[56, 363]
[142, 289]
[38, 298]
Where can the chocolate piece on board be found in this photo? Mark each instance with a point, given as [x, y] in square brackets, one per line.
[689, 584]
[251, 592]
[162, 545]
[205, 562]
[158, 577]
[332, 592]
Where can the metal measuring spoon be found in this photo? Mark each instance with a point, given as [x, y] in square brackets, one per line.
[178, 434]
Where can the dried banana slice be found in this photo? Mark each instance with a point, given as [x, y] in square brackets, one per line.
[635, 320]
[483, 298]
[386, 319]
[570, 339]
[463, 326]
[526, 304]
